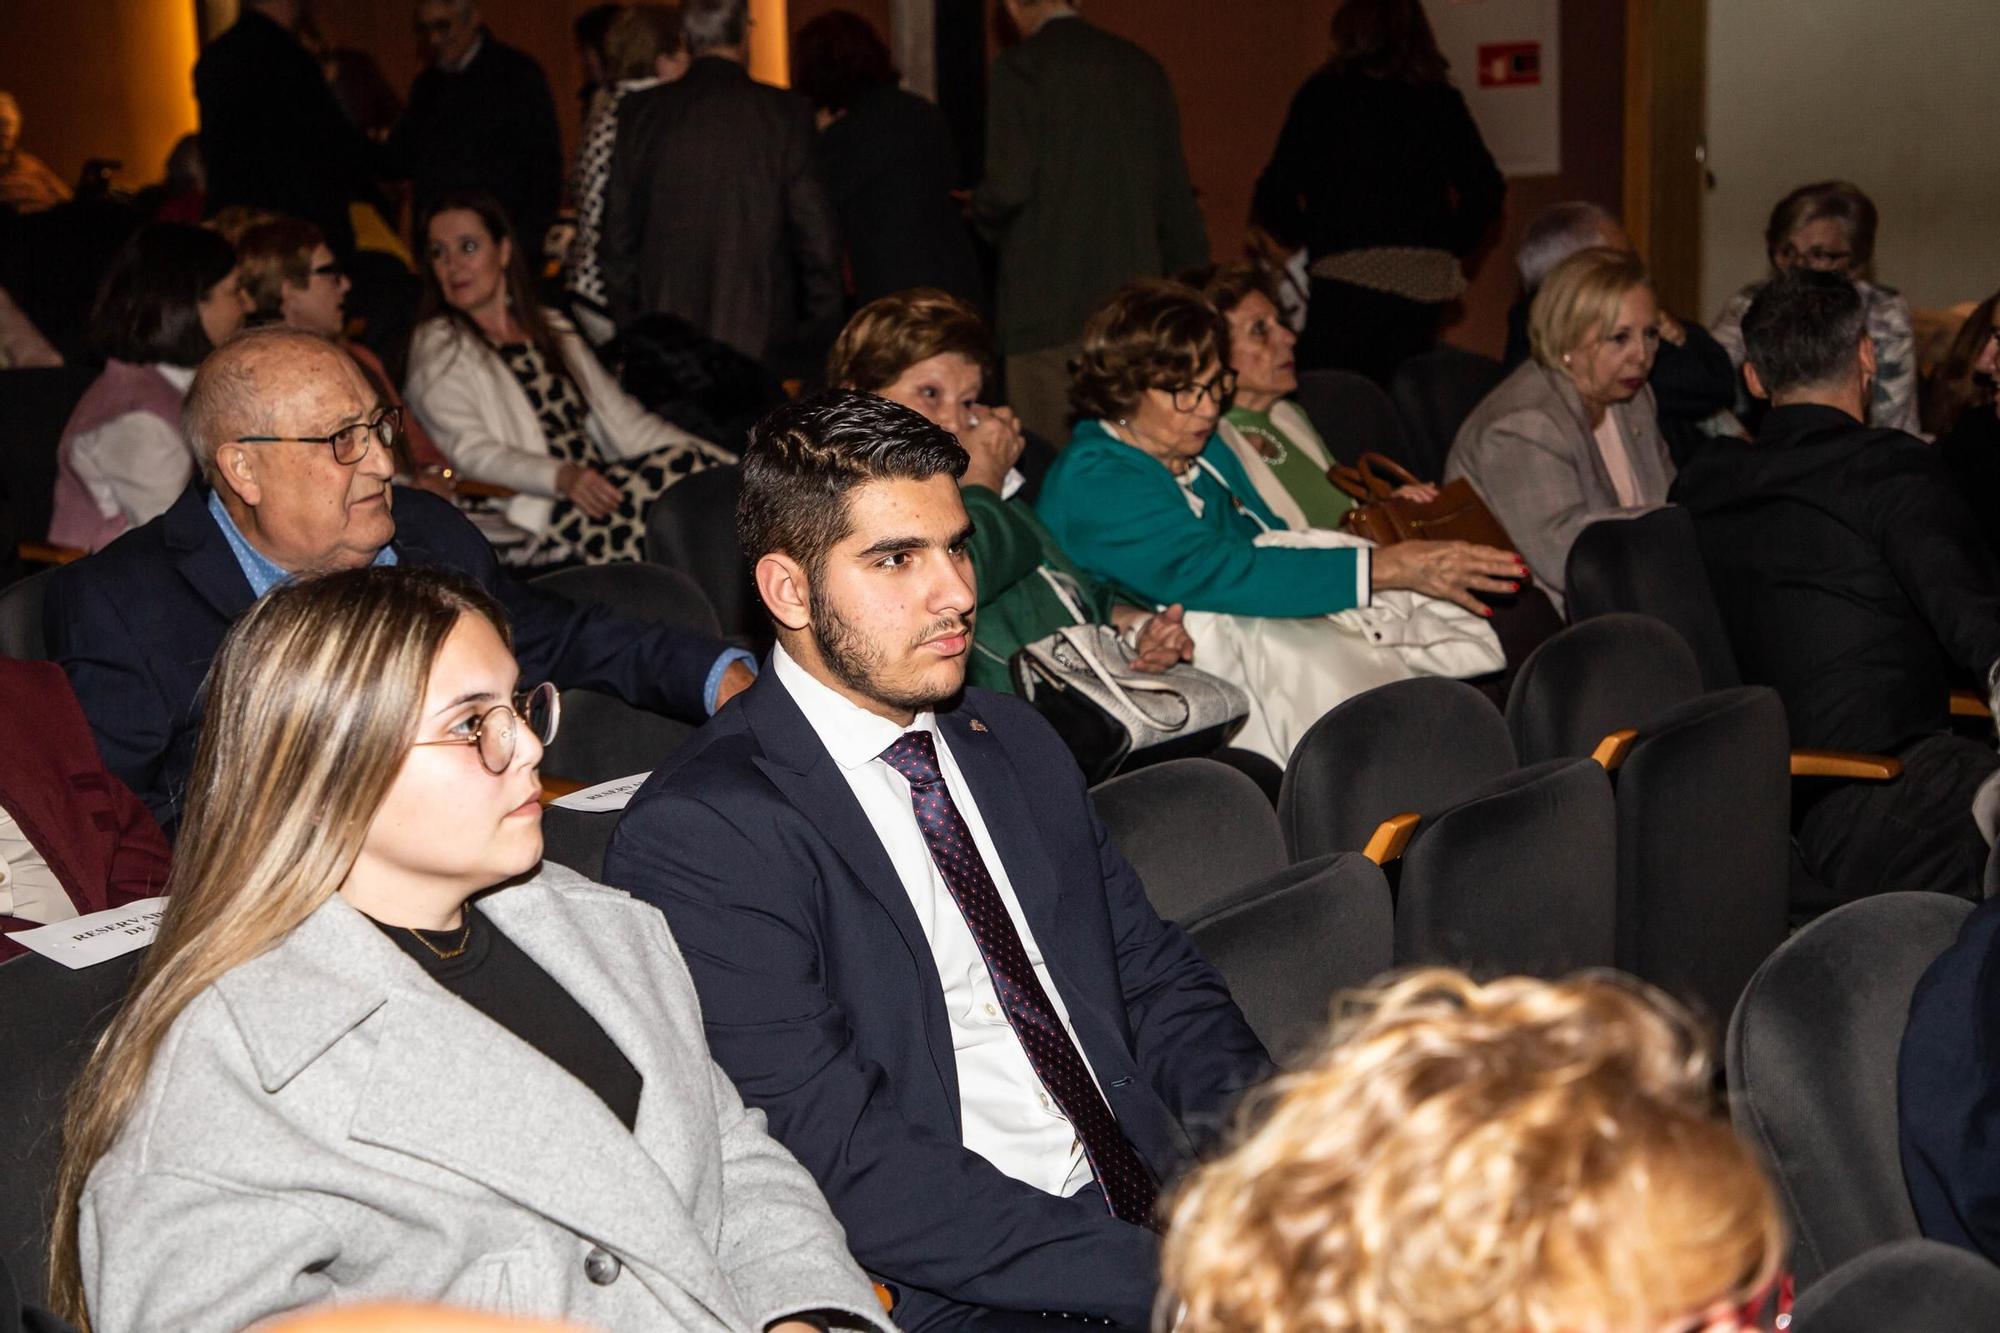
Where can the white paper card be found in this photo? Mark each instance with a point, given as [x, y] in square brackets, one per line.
[97, 938]
[604, 797]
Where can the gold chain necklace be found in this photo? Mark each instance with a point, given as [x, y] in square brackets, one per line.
[464, 940]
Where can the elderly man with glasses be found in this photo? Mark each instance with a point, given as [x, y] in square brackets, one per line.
[294, 451]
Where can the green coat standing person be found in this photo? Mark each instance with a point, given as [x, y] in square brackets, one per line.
[1086, 188]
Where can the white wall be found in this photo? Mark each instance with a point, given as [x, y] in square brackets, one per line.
[1898, 97]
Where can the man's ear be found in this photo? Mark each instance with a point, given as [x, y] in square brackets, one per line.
[1753, 381]
[781, 582]
[235, 473]
[1869, 365]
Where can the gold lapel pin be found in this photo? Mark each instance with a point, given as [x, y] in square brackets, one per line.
[977, 725]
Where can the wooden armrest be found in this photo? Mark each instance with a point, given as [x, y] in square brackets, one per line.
[1611, 751]
[41, 553]
[1845, 764]
[1390, 837]
[1967, 703]
[481, 490]
[555, 788]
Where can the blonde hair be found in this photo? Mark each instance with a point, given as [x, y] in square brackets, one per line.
[1516, 1157]
[1580, 298]
[312, 703]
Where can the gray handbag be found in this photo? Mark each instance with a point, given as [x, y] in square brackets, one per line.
[1081, 679]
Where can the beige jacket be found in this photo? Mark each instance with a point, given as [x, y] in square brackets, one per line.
[1529, 452]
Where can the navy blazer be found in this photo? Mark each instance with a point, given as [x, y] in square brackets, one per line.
[822, 997]
[137, 624]
[1948, 1090]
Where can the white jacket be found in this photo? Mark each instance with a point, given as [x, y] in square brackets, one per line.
[476, 411]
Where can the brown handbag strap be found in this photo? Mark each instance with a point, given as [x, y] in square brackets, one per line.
[1373, 466]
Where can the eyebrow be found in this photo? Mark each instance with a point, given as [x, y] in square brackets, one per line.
[903, 545]
[475, 696]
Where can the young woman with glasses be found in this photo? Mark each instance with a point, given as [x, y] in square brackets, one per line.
[377, 1053]
[1148, 499]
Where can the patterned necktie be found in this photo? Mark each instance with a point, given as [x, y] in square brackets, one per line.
[1128, 1186]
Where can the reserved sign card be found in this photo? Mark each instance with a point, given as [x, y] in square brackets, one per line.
[604, 797]
[97, 938]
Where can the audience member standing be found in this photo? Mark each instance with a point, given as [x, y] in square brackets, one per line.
[716, 211]
[643, 49]
[1380, 173]
[26, 183]
[889, 164]
[480, 118]
[273, 135]
[1854, 581]
[1086, 188]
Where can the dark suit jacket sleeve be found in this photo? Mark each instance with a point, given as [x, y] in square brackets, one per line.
[1933, 544]
[1694, 381]
[622, 230]
[574, 644]
[131, 718]
[1276, 204]
[916, 1206]
[1481, 188]
[814, 234]
[1183, 234]
[540, 149]
[1010, 148]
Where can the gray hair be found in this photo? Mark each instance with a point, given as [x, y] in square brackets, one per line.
[1559, 231]
[710, 24]
[228, 399]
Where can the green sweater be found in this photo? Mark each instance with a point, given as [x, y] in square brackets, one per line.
[1009, 547]
[1122, 516]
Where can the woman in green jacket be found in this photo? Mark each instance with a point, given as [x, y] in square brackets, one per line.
[928, 351]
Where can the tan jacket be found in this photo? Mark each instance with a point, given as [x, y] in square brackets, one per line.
[1529, 452]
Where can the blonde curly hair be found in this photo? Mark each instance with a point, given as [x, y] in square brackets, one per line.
[1515, 1157]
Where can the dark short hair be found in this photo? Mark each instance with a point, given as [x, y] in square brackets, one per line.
[709, 24]
[273, 256]
[838, 54]
[1229, 285]
[639, 36]
[892, 333]
[1843, 201]
[149, 308]
[1387, 39]
[1151, 334]
[1804, 328]
[807, 456]
[592, 26]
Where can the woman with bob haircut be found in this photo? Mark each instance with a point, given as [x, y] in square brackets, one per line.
[1572, 436]
[1830, 226]
[514, 397]
[929, 351]
[171, 296]
[1148, 498]
[375, 1053]
[1516, 1157]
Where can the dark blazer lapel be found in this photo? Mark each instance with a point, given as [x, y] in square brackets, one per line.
[798, 765]
[202, 555]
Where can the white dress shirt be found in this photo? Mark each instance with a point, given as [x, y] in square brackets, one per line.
[1007, 1116]
[136, 464]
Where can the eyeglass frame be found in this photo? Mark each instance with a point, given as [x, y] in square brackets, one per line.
[1813, 258]
[391, 416]
[518, 712]
[1221, 389]
[331, 269]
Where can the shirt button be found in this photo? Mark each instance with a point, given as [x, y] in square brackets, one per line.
[1046, 1104]
[601, 1266]
[992, 1011]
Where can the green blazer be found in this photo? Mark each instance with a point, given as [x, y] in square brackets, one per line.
[1016, 604]
[1086, 186]
[1122, 516]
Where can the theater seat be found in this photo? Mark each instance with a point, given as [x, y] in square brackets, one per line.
[1194, 829]
[1435, 392]
[21, 617]
[1910, 1286]
[1811, 1061]
[1652, 565]
[692, 528]
[1354, 417]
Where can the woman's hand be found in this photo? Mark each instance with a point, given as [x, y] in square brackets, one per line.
[993, 438]
[1451, 570]
[1671, 330]
[1162, 640]
[1422, 492]
[589, 490]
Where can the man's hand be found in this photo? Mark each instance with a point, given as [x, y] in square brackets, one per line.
[1162, 639]
[1671, 330]
[589, 490]
[736, 678]
[1451, 570]
[993, 438]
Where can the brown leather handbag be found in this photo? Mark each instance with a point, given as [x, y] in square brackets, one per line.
[1457, 515]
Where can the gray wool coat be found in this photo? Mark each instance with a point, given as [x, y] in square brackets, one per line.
[327, 1124]
[1529, 452]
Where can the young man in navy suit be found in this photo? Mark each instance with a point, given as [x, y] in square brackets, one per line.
[917, 948]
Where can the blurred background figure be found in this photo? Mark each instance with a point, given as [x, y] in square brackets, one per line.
[889, 164]
[1516, 1157]
[26, 183]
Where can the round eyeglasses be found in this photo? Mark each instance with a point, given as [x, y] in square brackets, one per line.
[496, 731]
[1219, 390]
[349, 443]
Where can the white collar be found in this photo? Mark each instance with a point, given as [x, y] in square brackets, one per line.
[850, 733]
[178, 376]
